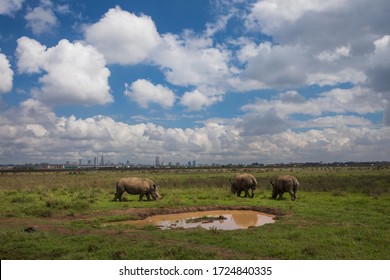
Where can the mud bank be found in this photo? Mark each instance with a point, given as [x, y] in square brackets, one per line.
[143, 213]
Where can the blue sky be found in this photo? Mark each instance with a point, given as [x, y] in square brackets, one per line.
[212, 81]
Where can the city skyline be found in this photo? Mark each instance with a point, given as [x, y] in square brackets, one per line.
[101, 161]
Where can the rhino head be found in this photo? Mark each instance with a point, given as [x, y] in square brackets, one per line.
[274, 191]
[233, 187]
[154, 192]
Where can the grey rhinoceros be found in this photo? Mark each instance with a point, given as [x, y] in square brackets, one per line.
[285, 183]
[243, 182]
[134, 185]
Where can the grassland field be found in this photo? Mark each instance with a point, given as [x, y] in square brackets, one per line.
[340, 213]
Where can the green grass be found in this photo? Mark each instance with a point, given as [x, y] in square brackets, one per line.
[340, 213]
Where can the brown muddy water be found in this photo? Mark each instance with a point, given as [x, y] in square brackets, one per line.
[217, 219]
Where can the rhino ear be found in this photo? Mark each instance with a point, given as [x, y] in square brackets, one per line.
[155, 187]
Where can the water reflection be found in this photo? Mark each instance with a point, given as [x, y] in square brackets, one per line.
[246, 219]
[220, 219]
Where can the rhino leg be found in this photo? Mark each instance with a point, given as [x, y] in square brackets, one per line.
[292, 194]
[119, 190]
[148, 196]
[252, 193]
[141, 195]
[239, 192]
[274, 194]
[118, 195]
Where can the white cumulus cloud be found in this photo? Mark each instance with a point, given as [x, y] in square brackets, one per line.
[144, 92]
[34, 132]
[72, 73]
[278, 66]
[6, 74]
[123, 37]
[271, 15]
[298, 56]
[9, 7]
[355, 100]
[194, 61]
[336, 121]
[378, 71]
[41, 19]
[332, 56]
[196, 100]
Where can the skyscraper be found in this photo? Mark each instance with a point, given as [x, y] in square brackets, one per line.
[157, 161]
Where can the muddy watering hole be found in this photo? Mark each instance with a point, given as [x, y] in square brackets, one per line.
[218, 219]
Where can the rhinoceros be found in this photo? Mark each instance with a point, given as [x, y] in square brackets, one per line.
[134, 185]
[243, 182]
[285, 183]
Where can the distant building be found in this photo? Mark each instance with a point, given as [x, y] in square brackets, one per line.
[102, 160]
[52, 166]
[157, 161]
[194, 163]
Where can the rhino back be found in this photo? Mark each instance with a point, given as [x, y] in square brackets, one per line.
[244, 180]
[285, 183]
[134, 185]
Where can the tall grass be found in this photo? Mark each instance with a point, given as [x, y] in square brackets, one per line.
[47, 194]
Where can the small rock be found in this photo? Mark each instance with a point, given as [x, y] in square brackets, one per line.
[119, 255]
[30, 229]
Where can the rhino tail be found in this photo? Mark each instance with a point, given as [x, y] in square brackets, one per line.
[253, 187]
[254, 181]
